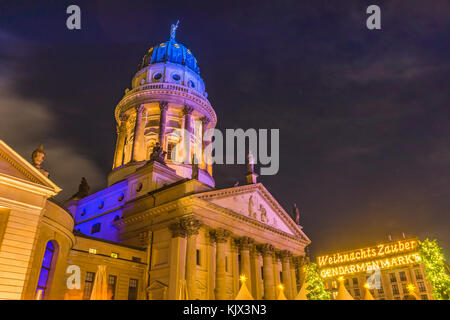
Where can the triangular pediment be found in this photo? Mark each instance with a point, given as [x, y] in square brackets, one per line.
[255, 202]
[16, 169]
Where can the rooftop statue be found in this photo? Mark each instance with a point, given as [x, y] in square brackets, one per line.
[158, 154]
[250, 162]
[37, 157]
[296, 214]
[83, 189]
[173, 30]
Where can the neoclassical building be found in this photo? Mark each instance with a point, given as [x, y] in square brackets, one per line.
[160, 227]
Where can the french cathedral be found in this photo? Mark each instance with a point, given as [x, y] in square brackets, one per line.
[160, 229]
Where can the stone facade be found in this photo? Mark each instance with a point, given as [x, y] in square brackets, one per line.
[157, 227]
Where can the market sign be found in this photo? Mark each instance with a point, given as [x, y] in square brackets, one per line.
[383, 256]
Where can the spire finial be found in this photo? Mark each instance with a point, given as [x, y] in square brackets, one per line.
[173, 30]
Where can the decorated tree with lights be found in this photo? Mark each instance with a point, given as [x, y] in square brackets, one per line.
[316, 288]
[434, 261]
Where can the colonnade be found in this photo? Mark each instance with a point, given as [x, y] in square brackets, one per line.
[262, 285]
[139, 150]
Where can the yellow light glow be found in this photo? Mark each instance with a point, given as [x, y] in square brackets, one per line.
[411, 287]
[92, 251]
[367, 286]
[381, 264]
[381, 250]
[243, 278]
[280, 286]
[341, 278]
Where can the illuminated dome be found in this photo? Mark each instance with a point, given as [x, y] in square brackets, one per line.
[170, 62]
[170, 51]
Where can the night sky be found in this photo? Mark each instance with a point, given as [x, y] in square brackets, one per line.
[364, 116]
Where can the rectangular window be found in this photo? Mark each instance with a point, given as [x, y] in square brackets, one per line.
[402, 275]
[88, 284]
[346, 282]
[392, 277]
[421, 286]
[198, 257]
[169, 150]
[95, 228]
[226, 264]
[418, 274]
[380, 290]
[357, 292]
[395, 289]
[135, 259]
[355, 281]
[424, 297]
[112, 280]
[262, 272]
[133, 289]
[405, 290]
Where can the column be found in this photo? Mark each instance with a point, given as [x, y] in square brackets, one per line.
[293, 279]
[221, 236]
[138, 153]
[286, 273]
[120, 145]
[191, 226]
[187, 111]
[211, 267]
[267, 251]
[177, 260]
[256, 273]
[244, 246]
[235, 267]
[163, 107]
[205, 159]
[300, 263]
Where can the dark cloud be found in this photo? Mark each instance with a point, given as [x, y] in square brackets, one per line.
[363, 115]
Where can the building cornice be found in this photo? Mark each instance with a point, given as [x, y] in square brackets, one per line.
[155, 92]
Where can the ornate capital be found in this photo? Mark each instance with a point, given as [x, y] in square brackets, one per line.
[163, 105]
[191, 225]
[221, 235]
[299, 261]
[123, 117]
[205, 121]
[185, 226]
[177, 230]
[187, 110]
[245, 242]
[139, 109]
[266, 249]
[285, 254]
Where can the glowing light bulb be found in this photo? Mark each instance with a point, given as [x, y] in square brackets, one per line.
[411, 287]
[341, 278]
[280, 286]
[243, 278]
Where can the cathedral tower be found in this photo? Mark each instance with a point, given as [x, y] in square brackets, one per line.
[167, 96]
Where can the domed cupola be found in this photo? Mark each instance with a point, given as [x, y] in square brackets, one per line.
[167, 103]
[171, 51]
[170, 62]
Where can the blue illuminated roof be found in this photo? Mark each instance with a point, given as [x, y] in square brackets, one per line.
[171, 51]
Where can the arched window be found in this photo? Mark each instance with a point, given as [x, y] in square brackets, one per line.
[45, 271]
